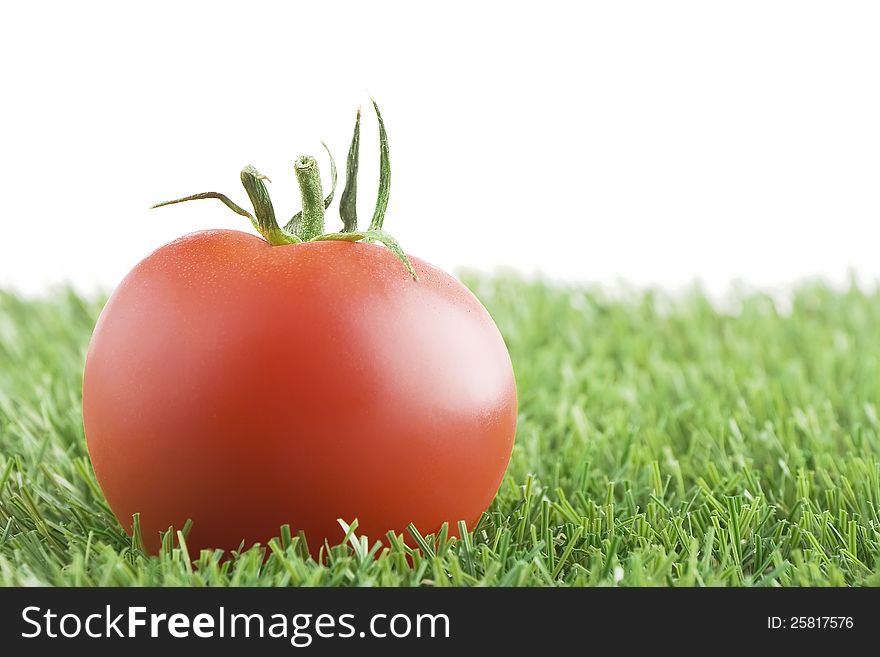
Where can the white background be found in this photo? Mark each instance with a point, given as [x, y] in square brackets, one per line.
[658, 143]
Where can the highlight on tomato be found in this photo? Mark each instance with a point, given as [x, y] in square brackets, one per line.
[238, 383]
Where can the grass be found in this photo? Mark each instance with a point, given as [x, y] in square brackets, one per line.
[660, 442]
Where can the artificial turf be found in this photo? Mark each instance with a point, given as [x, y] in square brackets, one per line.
[660, 441]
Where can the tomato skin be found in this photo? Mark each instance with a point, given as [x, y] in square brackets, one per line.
[246, 386]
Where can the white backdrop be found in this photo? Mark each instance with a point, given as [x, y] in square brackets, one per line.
[658, 143]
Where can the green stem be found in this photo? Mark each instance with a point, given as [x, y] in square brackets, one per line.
[309, 180]
[292, 226]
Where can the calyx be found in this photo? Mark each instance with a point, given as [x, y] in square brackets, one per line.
[307, 225]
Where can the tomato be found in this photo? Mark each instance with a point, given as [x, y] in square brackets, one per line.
[298, 378]
[245, 386]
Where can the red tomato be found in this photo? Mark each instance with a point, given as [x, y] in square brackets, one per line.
[246, 386]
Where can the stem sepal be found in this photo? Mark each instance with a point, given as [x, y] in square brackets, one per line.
[307, 225]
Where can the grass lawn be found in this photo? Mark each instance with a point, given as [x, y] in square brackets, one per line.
[660, 442]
